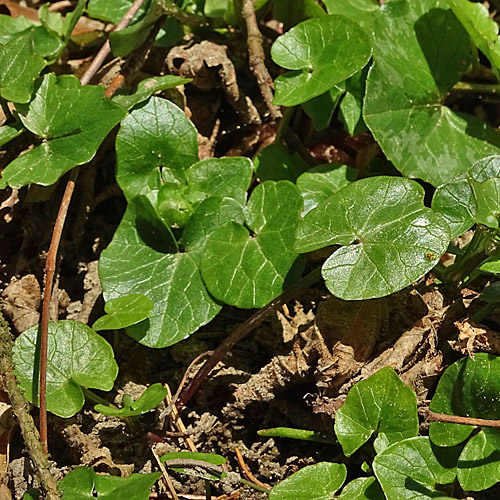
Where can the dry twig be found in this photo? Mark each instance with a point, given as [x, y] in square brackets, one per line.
[248, 473]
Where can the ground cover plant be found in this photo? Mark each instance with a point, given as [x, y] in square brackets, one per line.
[287, 210]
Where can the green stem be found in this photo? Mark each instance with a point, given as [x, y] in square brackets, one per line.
[254, 486]
[302, 434]
[170, 9]
[477, 88]
[97, 399]
[283, 124]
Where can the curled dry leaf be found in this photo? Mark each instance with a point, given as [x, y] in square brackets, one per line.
[474, 338]
[21, 302]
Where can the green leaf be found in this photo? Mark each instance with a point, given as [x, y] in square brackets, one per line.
[11, 27]
[292, 12]
[322, 52]
[156, 143]
[410, 470]
[9, 132]
[478, 466]
[404, 110]
[210, 458]
[72, 18]
[352, 103]
[359, 11]
[456, 200]
[83, 483]
[148, 401]
[382, 405]
[468, 388]
[20, 65]
[77, 357]
[111, 10]
[391, 239]
[124, 311]
[71, 134]
[147, 88]
[363, 488]
[487, 195]
[216, 8]
[491, 293]
[314, 482]
[319, 183]
[53, 21]
[139, 260]
[320, 109]
[249, 270]
[125, 41]
[275, 163]
[484, 31]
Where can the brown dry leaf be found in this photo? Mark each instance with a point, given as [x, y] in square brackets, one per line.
[474, 338]
[7, 424]
[21, 302]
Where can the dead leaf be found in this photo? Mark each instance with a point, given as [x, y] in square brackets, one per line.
[474, 338]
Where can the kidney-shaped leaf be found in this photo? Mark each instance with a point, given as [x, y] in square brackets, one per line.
[156, 143]
[362, 488]
[404, 109]
[71, 133]
[410, 470]
[76, 357]
[140, 259]
[468, 388]
[457, 201]
[314, 482]
[381, 405]
[322, 52]
[391, 239]
[124, 311]
[247, 270]
[83, 483]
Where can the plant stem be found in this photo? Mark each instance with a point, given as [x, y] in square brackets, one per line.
[302, 434]
[283, 124]
[455, 419]
[21, 409]
[242, 331]
[253, 485]
[477, 88]
[170, 9]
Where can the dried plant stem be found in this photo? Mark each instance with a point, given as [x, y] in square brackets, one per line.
[455, 419]
[21, 409]
[50, 265]
[242, 331]
[257, 58]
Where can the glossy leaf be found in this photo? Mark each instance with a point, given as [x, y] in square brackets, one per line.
[381, 405]
[249, 270]
[275, 163]
[320, 109]
[362, 488]
[124, 311]
[469, 388]
[322, 52]
[359, 11]
[111, 10]
[456, 201]
[404, 109]
[71, 134]
[314, 482]
[83, 483]
[12, 27]
[156, 143]
[292, 12]
[77, 357]
[147, 88]
[210, 458]
[148, 401]
[484, 31]
[487, 196]
[390, 239]
[319, 183]
[9, 132]
[410, 470]
[352, 103]
[140, 259]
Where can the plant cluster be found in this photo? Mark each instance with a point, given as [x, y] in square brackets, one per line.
[200, 234]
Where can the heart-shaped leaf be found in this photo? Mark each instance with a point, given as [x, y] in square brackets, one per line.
[76, 357]
[322, 52]
[359, 11]
[404, 110]
[391, 239]
[381, 405]
[148, 401]
[314, 482]
[156, 143]
[124, 311]
[140, 259]
[319, 183]
[362, 488]
[250, 270]
[482, 29]
[71, 134]
[275, 163]
[12, 27]
[468, 388]
[83, 483]
[352, 103]
[411, 469]
[320, 109]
